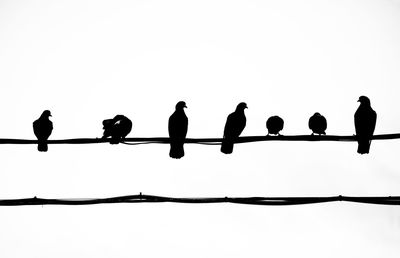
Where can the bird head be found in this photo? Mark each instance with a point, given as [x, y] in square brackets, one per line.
[107, 123]
[180, 105]
[364, 100]
[46, 114]
[241, 106]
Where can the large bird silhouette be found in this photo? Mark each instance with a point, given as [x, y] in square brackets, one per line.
[177, 129]
[235, 123]
[42, 127]
[317, 123]
[117, 128]
[364, 121]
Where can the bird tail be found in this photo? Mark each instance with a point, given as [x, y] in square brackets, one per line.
[363, 146]
[42, 146]
[176, 151]
[227, 147]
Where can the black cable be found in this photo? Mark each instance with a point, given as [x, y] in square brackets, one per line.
[271, 201]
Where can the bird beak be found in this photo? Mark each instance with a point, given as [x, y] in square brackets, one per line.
[185, 106]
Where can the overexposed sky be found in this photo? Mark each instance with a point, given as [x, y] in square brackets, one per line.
[90, 60]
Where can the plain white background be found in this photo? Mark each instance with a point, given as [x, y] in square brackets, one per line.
[90, 60]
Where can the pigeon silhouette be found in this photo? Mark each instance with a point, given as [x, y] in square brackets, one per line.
[117, 128]
[364, 121]
[317, 124]
[235, 123]
[177, 129]
[42, 127]
[274, 125]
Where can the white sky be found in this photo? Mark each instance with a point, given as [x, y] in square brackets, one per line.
[90, 60]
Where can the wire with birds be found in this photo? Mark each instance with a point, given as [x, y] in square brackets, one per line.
[117, 129]
[207, 141]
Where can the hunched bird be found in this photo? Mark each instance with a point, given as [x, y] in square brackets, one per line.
[317, 123]
[235, 123]
[274, 125]
[42, 127]
[117, 128]
[364, 122]
[177, 129]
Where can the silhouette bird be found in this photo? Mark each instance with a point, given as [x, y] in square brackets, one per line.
[364, 121]
[177, 129]
[117, 128]
[317, 124]
[42, 127]
[274, 125]
[235, 123]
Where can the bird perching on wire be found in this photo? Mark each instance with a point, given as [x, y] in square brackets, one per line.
[117, 128]
[234, 126]
[274, 125]
[177, 129]
[364, 122]
[42, 128]
[317, 123]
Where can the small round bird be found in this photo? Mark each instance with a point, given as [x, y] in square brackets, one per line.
[42, 127]
[317, 124]
[274, 125]
[117, 128]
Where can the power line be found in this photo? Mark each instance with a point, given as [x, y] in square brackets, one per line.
[206, 141]
[140, 198]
